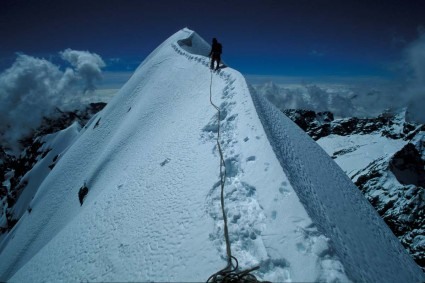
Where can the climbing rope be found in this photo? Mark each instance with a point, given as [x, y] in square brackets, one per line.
[230, 273]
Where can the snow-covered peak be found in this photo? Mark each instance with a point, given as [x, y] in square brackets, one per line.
[136, 197]
[194, 44]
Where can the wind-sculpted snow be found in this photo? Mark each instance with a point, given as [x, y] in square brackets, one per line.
[194, 44]
[372, 161]
[152, 212]
[366, 246]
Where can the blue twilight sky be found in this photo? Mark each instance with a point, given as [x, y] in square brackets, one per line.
[276, 38]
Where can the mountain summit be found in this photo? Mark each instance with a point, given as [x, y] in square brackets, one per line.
[135, 194]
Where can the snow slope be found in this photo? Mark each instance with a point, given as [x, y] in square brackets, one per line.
[153, 212]
[54, 144]
[361, 150]
[368, 249]
[372, 161]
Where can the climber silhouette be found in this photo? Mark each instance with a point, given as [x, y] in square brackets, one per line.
[215, 53]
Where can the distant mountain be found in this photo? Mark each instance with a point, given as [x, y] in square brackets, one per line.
[385, 158]
[343, 100]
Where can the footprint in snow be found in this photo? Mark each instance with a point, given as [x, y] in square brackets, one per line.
[167, 160]
[251, 158]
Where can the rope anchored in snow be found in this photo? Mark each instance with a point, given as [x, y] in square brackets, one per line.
[231, 272]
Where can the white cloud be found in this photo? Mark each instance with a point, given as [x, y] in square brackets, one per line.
[415, 58]
[366, 96]
[33, 88]
[345, 97]
[87, 65]
[414, 94]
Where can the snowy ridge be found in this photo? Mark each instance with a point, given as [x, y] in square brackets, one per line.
[366, 246]
[294, 251]
[150, 162]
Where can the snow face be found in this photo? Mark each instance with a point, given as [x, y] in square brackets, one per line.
[366, 246]
[373, 163]
[56, 145]
[152, 211]
[355, 152]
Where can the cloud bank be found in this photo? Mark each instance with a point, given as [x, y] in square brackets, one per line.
[414, 94]
[32, 88]
[87, 65]
[358, 98]
[341, 99]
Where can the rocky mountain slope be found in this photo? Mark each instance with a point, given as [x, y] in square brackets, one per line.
[385, 158]
[13, 169]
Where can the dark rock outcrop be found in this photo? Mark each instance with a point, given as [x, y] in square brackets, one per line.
[317, 125]
[322, 124]
[408, 166]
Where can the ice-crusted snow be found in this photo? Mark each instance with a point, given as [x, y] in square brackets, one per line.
[355, 152]
[377, 167]
[366, 246]
[153, 212]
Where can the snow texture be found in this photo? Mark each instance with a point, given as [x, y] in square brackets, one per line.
[366, 246]
[55, 145]
[152, 212]
[390, 174]
[355, 152]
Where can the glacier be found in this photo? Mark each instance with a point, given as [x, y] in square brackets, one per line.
[152, 213]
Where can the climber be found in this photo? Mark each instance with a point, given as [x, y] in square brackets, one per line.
[215, 53]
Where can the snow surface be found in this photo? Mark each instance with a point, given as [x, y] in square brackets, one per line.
[371, 155]
[366, 246]
[152, 212]
[357, 151]
[56, 144]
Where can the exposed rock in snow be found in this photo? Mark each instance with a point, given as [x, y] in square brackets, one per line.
[24, 173]
[391, 178]
[322, 124]
[408, 166]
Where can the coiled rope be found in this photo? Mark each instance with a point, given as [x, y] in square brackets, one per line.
[230, 273]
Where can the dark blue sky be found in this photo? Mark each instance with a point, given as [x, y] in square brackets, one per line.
[288, 38]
